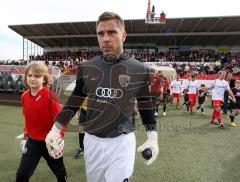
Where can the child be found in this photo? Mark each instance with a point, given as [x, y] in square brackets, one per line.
[192, 92]
[235, 106]
[40, 108]
[202, 96]
[176, 87]
[186, 99]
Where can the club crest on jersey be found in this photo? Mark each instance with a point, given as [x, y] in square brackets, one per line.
[124, 80]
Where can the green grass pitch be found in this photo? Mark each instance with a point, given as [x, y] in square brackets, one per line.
[191, 150]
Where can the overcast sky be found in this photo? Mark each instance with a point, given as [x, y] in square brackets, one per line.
[47, 11]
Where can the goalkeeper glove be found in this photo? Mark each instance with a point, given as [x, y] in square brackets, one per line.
[152, 144]
[23, 143]
[56, 151]
[55, 143]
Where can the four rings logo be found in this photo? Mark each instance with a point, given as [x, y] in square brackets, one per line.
[111, 93]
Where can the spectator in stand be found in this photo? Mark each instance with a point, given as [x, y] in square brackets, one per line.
[162, 17]
[153, 12]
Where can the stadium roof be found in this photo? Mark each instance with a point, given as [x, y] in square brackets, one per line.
[203, 31]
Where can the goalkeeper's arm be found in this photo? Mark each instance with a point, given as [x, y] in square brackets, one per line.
[147, 114]
[72, 105]
[54, 137]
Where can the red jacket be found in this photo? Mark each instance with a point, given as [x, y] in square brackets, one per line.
[39, 112]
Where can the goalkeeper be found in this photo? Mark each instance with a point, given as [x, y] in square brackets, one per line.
[111, 82]
[40, 107]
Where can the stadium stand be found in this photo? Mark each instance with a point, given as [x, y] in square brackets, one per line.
[202, 45]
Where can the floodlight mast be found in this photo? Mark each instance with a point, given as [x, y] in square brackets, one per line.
[153, 18]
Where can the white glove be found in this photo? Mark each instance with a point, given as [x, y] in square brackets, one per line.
[23, 144]
[151, 143]
[54, 143]
[56, 151]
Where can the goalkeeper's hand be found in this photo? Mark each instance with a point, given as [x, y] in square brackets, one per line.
[56, 150]
[152, 144]
[55, 143]
[23, 143]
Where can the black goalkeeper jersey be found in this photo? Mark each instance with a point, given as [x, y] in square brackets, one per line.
[112, 88]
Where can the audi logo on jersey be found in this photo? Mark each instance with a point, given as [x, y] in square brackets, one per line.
[111, 93]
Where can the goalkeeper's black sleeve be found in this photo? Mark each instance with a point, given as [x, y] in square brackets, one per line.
[145, 107]
[74, 101]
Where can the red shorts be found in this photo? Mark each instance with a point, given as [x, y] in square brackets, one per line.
[192, 98]
[176, 95]
[217, 103]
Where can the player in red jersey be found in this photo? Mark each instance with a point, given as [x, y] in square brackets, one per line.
[155, 80]
[166, 93]
[40, 108]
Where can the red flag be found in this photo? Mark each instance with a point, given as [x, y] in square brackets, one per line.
[148, 10]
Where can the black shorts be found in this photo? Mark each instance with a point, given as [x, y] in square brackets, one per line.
[201, 100]
[166, 97]
[235, 105]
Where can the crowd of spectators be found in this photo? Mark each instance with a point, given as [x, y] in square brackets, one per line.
[67, 54]
[201, 62]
